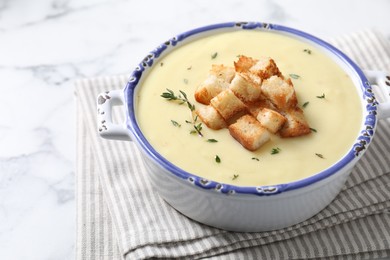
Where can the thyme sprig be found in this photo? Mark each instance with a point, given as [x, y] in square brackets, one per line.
[183, 99]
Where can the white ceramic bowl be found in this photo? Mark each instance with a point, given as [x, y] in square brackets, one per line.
[232, 207]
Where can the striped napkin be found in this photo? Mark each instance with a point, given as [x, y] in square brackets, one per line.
[120, 216]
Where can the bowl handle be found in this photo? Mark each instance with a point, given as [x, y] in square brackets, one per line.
[381, 85]
[108, 129]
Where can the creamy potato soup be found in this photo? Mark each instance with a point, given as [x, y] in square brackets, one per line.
[325, 93]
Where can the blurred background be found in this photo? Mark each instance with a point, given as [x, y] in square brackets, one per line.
[45, 45]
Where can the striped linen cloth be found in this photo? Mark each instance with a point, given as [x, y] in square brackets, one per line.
[120, 216]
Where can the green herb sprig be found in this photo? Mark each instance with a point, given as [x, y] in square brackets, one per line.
[276, 150]
[183, 99]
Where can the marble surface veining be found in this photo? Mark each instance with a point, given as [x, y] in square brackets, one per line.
[47, 44]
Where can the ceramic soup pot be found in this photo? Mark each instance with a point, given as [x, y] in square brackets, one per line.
[242, 208]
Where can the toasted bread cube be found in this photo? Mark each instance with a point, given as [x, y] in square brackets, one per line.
[280, 92]
[244, 63]
[296, 124]
[211, 117]
[245, 89]
[227, 104]
[249, 132]
[265, 68]
[219, 79]
[222, 72]
[208, 89]
[256, 107]
[271, 119]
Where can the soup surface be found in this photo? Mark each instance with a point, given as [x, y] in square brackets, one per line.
[332, 109]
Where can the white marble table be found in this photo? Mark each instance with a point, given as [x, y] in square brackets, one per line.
[47, 44]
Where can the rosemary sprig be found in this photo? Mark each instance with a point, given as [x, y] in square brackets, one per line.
[320, 155]
[212, 140]
[305, 104]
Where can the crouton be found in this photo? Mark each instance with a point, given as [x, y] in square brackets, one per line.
[244, 63]
[211, 117]
[227, 104]
[249, 132]
[222, 72]
[256, 107]
[245, 88]
[295, 125]
[218, 80]
[280, 92]
[271, 119]
[265, 68]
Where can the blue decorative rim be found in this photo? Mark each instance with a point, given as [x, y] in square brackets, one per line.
[356, 151]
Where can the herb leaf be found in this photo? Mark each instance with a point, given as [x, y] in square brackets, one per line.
[322, 96]
[174, 123]
[320, 155]
[170, 95]
[275, 150]
[217, 159]
[198, 129]
[305, 104]
[182, 97]
[235, 176]
[214, 55]
[295, 76]
[212, 141]
[308, 51]
[255, 158]
[313, 129]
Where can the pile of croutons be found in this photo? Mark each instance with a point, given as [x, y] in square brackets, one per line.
[253, 100]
